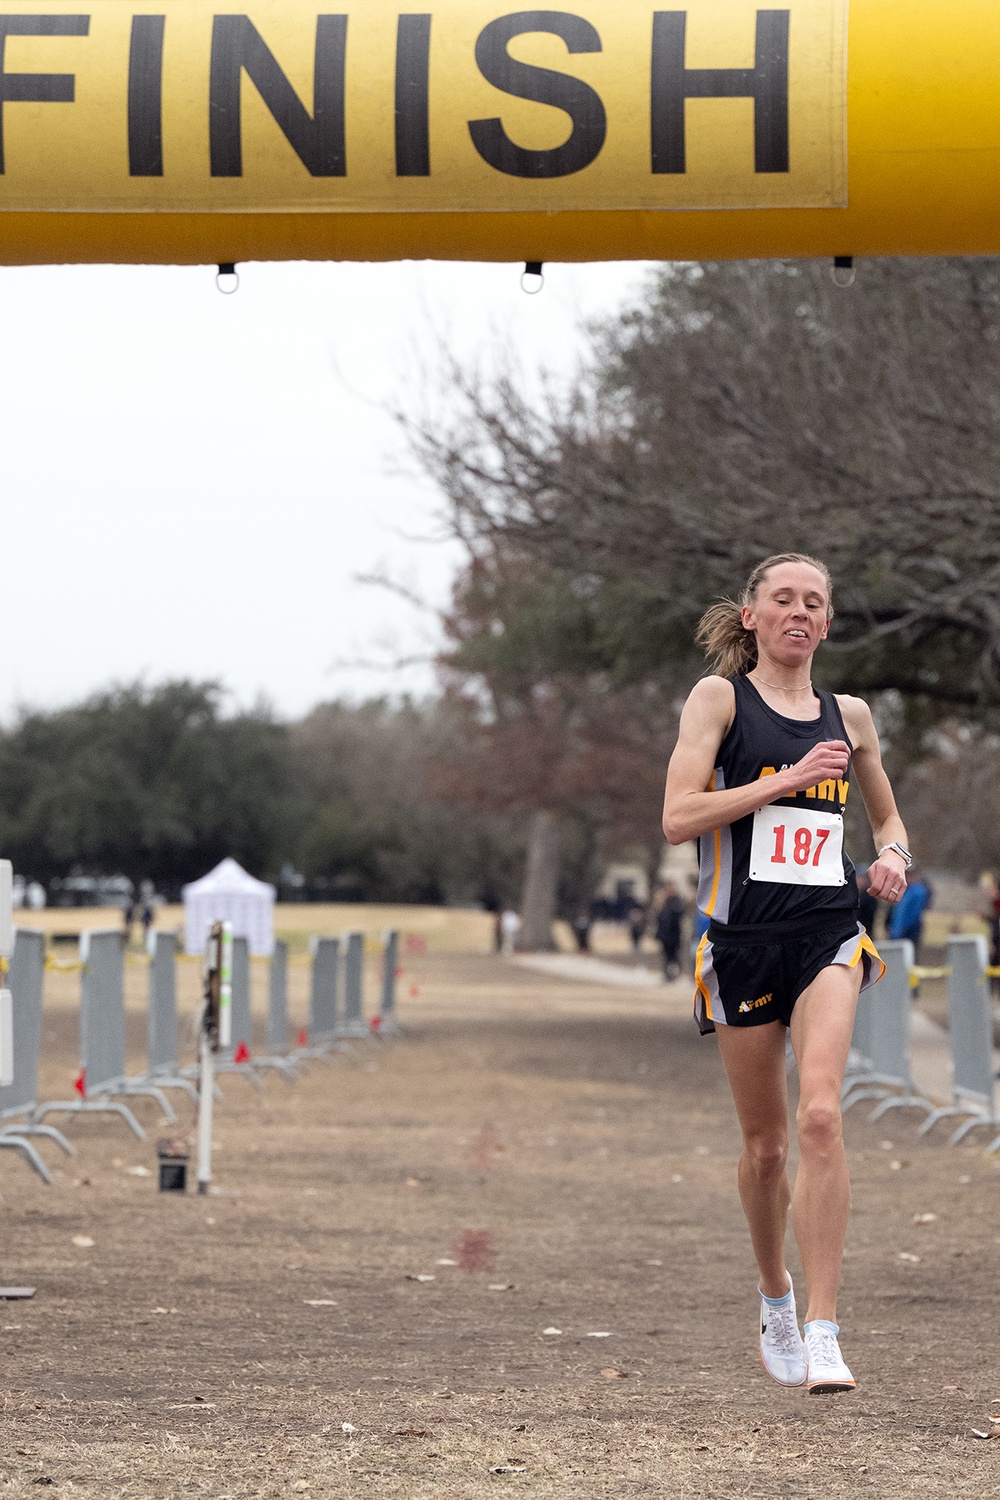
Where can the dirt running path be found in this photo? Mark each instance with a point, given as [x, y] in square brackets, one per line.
[575, 1144]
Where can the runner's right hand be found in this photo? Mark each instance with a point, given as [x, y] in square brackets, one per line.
[827, 760]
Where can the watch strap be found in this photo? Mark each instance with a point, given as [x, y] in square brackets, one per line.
[895, 848]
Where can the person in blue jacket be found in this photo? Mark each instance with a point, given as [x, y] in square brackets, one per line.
[906, 918]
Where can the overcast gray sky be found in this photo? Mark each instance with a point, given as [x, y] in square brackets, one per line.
[191, 481]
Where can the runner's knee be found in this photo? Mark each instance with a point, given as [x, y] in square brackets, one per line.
[766, 1155]
[819, 1122]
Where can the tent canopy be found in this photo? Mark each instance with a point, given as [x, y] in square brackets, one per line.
[229, 894]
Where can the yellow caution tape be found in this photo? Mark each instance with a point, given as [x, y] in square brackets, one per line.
[992, 971]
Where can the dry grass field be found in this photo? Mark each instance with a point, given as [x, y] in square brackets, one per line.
[364, 1306]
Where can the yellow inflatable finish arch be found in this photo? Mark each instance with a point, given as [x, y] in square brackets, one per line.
[207, 131]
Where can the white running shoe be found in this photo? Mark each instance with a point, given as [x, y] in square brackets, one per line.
[782, 1351]
[827, 1370]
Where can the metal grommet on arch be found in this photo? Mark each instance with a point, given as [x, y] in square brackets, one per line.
[842, 272]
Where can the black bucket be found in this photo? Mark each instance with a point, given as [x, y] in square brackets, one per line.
[173, 1175]
[173, 1158]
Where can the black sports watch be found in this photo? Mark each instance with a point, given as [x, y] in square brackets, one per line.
[904, 854]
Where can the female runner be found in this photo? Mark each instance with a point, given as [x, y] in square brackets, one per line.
[760, 776]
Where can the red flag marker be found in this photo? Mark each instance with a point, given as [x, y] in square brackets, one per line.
[302, 1040]
[80, 1083]
[375, 1023]
[242, 1053]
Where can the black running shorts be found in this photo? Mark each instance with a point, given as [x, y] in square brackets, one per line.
[747, 976]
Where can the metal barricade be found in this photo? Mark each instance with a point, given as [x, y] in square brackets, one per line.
[353, 1023]
[277, 1000]
[387, 1024]
[242, 1027]
[970, 1021]
[886, 1038]
[323, 999]
[161, 1026]
[102, 1038]
[19, 1097]
[323, 991]
[238, 1057]
[277, 1016]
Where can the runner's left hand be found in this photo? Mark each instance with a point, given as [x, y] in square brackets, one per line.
[888, 878]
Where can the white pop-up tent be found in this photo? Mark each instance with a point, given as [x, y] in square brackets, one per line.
[229, 894]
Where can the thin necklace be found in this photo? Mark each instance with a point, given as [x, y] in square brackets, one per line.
[778, 687]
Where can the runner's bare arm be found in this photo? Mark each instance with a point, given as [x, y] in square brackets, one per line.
[689, 810]
[888, 873]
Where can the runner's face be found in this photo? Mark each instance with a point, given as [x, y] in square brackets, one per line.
[789, 613]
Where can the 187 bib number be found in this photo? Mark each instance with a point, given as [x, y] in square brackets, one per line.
[796, 846]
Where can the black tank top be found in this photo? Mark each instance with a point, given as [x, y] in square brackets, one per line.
[759, 743]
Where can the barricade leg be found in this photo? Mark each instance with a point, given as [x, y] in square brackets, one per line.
[169, 1081]
[242, 1070]
[132, 1088]
[193, 1070]
[951, 1112]
[27, 1150]
[906, 1101]
[323, 1049]
[49, 1131]
[90, 1107]
[969, 1126]
[870, 1086]
[311, 1054]
[281, 1065]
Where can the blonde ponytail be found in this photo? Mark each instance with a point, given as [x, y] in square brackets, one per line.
[731, 648]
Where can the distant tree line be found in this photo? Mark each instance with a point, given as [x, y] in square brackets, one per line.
[160, 783]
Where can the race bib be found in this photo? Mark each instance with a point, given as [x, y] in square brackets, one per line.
[796, 846]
